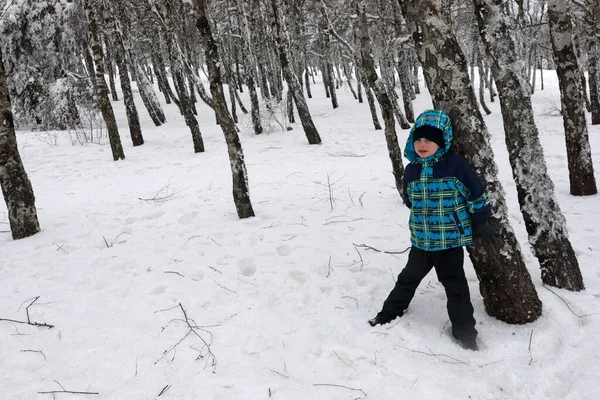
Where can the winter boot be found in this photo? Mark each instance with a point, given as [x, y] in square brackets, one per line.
[382, 318]
[468, 343]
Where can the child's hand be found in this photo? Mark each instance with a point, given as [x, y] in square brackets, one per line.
[484, 231]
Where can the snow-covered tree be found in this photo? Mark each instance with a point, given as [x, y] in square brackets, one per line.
[379, 88]
[16, 187]
[39, 53]
[544, 221]
[282, 39]
[100, 83]
[579, 157]
[241, 195]
[505, 284]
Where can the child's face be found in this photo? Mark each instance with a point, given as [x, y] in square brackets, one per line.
[425, 148]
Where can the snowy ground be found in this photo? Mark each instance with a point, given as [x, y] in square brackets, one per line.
[280, 301]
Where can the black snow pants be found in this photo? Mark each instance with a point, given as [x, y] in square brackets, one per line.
[449, 268]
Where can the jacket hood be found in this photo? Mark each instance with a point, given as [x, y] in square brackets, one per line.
[437, 119]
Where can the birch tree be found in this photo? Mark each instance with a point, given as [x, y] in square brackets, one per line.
[378, 86]
[165, 17]
[118, 52]
[101, 88]
[283, 46]
[579, 157]
[16, 187]
[505, 284]
[544, 221]
[241, 195]
[589, 14]
[249, 70]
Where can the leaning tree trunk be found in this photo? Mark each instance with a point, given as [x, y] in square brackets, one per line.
[241, 193]
[361, 79]
[283, 48]
[504, 282]
[16, 187]
[543, 218]
[348, 75]
[102, 90]
[378, 86]
[579, 157]
[149, 96]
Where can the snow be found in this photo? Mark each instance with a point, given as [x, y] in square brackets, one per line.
[281, 300]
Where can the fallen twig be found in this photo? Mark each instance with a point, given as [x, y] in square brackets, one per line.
[567, 304]
[340, 222]
[175, 272]
[340, 386]
[529, 348]
[34, 351]
[113, 242]
[432, 354]
[362, 263]
[340, 358]
[223, 287]
[162, 195]
[280, 374]
[167, 387]
[193, 329]
[367, 247]
[65, 390]
[29, 322]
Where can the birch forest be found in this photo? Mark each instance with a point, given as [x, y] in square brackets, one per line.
[64, 63]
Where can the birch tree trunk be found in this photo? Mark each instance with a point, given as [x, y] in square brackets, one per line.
[149, 96]
[403, 69]
[249, 68]
[378, 86]
[307, 83]
[594, 78]
[16, 187]
[241, 193]
[504, 282]
[283, 46]
[133, 119]
[579, 157]
[348, 75]
[111, 72]
[544, 221]
[102, 90]
[405, 85]
[175, 58]
[118, 53]
[593, 33]
[481, 73]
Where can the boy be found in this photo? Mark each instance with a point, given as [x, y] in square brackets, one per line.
[447, 205]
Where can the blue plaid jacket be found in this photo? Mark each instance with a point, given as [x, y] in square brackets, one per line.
[444, 195]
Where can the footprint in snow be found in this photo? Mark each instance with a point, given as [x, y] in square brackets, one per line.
[247, 266]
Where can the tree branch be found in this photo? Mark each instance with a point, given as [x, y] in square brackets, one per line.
[29, 322]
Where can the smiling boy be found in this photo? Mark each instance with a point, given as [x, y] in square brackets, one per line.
[448, 205]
